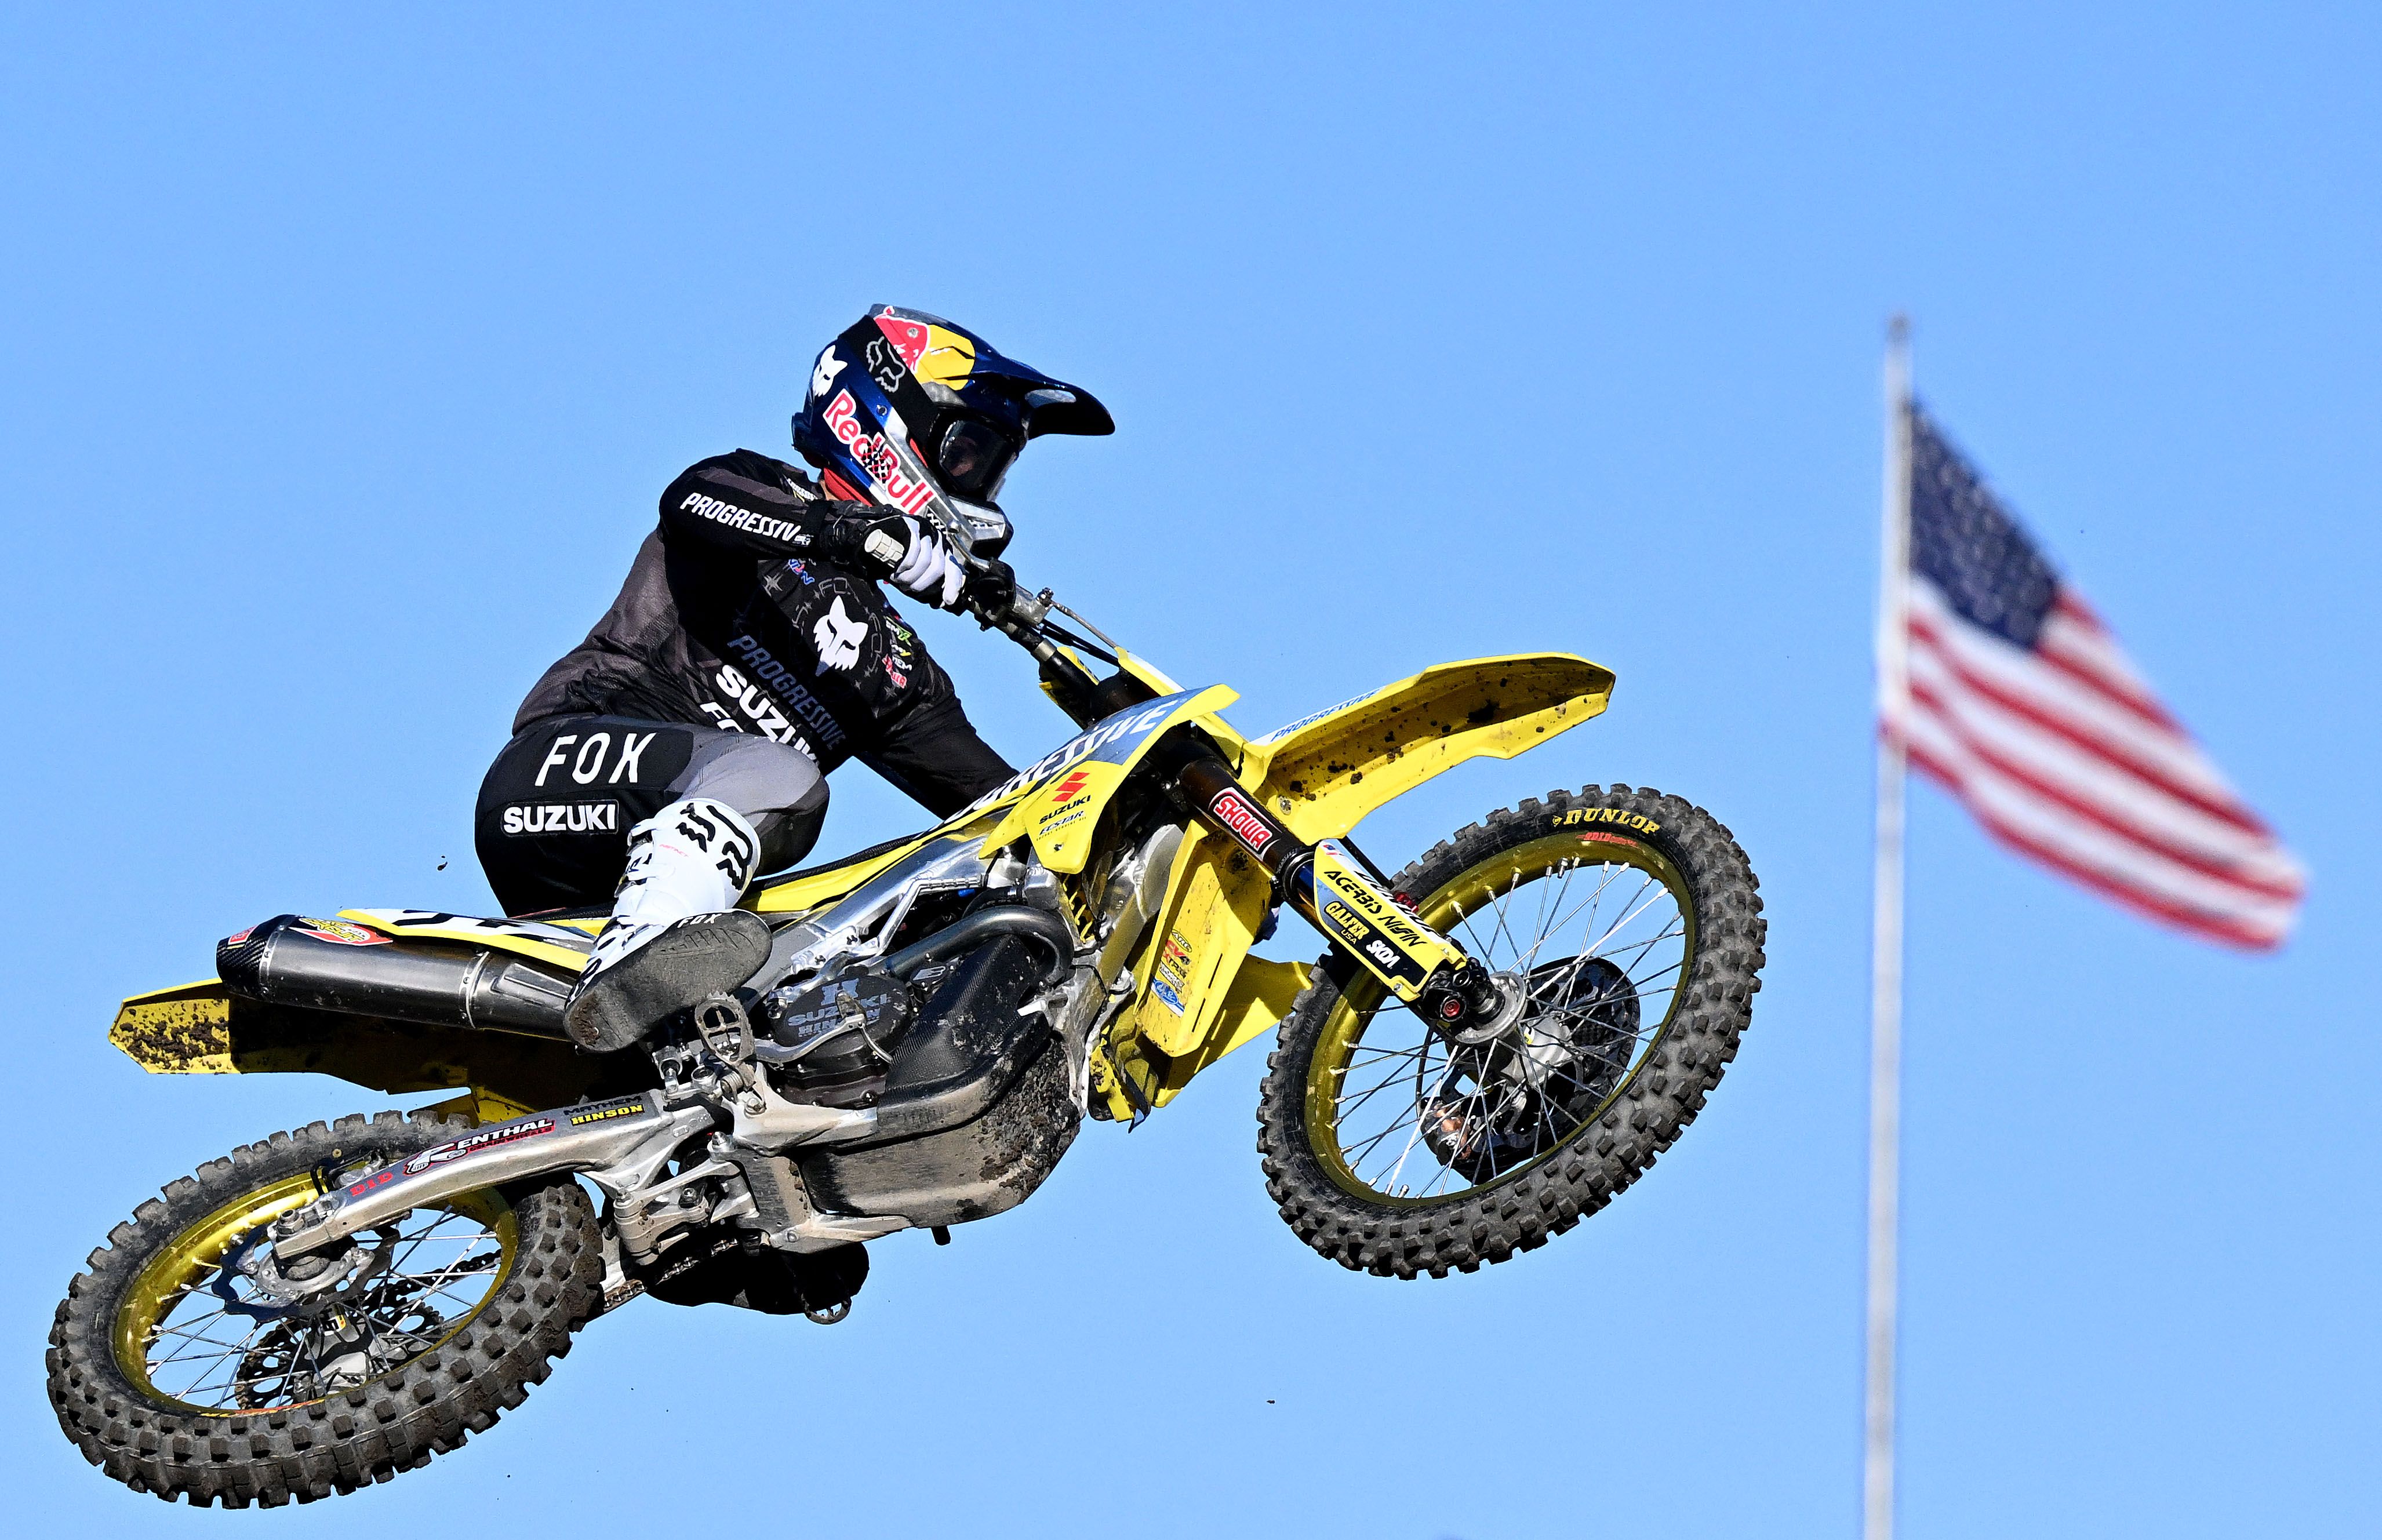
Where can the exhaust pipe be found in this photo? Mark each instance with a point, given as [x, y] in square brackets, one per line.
[1020, 919]
[334, 965]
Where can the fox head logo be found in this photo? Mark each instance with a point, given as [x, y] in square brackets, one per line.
[839, 636]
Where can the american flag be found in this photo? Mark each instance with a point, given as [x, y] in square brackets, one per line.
[2022, 705]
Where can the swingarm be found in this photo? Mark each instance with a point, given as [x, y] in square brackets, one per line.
[623, 1144]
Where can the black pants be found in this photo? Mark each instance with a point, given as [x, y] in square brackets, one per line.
[555, 811]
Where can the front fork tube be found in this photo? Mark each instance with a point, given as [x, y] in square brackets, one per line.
[1327, 885]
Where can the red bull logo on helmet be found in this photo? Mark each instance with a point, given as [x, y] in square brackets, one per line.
[937, 355]
[908, 337]
[875, 456]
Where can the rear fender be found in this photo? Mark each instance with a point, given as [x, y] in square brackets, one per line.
[203, 1029]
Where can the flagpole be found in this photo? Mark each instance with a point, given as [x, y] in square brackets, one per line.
[1886, 950]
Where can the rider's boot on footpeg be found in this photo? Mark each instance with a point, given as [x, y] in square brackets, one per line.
[675, 934]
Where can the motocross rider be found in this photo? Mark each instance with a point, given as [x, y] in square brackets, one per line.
[682, 747]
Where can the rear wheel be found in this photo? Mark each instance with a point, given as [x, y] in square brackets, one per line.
[1626, 927]
[176, 1375]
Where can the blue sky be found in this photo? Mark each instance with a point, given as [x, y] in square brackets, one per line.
[347, 356]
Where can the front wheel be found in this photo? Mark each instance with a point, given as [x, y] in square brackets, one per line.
[1624, 928]
[176, 1375]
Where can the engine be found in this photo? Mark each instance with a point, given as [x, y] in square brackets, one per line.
[950, 1047]
[833, 1042]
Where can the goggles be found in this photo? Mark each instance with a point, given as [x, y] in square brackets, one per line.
[972, 458]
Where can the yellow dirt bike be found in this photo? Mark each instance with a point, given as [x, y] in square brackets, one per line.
[1500, 1038]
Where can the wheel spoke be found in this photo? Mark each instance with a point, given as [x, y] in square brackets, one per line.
[1586, 1021]
[385, 1320]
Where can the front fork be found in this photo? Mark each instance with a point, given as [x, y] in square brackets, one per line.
[1326, 885]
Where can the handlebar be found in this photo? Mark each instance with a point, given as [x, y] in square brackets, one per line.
[1018, 616]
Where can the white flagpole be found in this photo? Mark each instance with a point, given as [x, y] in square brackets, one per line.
[1885, 949]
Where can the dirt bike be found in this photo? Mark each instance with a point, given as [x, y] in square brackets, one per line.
[1500, 1038]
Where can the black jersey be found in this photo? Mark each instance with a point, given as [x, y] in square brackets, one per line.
[736, 614]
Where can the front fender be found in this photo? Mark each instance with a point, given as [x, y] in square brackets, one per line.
[1322, 773]
[1200, 992]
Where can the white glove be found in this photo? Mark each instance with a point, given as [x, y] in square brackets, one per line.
[929, 571]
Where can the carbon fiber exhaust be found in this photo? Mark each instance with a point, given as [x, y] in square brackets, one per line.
[336, 965]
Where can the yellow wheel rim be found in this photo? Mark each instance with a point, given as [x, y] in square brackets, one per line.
[184, 1345]
[1399, 1117]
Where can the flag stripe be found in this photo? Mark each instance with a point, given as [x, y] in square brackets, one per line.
[2259, 937]
[2021, 670]
[2116, 859]
[2115, 790]
[2285, 887]
[2080, 643]
[2053, 655]
[2162, 774]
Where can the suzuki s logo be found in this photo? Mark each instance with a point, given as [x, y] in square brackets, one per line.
[1070, 788]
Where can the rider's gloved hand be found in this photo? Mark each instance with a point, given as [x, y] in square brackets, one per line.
[991, 588]
[911, 556]
[930, 571]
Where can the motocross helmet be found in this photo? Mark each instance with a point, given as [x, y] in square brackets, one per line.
[912, 413]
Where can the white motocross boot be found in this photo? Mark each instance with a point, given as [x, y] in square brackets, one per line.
[675, 934]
